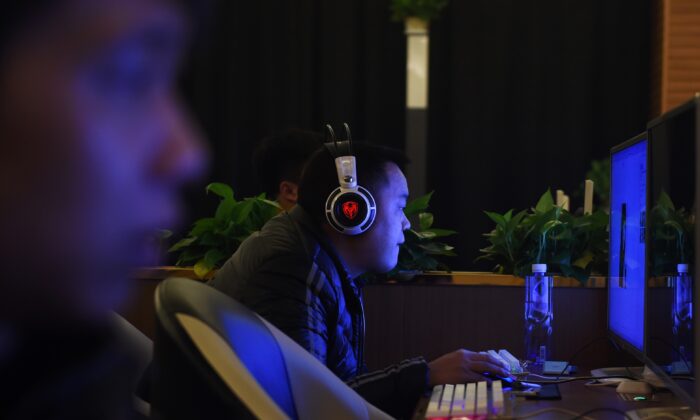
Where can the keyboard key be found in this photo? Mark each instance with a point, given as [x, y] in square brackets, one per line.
[458, 400]
[481, 399]
[446, 400]
[497, 397]
[470, 399]
[466, 401]
[434, 404]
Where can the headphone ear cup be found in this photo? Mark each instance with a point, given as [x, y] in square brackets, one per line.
[351, 212]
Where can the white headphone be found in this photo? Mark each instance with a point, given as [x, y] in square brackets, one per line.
[350, 208]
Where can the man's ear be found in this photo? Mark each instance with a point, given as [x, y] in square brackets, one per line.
[288, 192]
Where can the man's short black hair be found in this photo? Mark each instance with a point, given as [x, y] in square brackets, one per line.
[281, 157]
[320, 178]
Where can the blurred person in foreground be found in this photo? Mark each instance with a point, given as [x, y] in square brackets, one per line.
[94, 148]
[279, 160]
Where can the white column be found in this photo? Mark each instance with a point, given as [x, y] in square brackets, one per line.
[417, 54]
[416, 63]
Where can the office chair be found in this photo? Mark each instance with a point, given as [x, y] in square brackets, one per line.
[141, 347]
[216, 359]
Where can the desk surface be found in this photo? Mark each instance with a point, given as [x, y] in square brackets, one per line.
[441, 278]
[578, 398]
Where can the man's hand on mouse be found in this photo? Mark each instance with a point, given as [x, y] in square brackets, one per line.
[463, 366]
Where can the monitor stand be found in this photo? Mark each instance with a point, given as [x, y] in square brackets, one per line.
[623, 372]
[684, 413]
[641, 373]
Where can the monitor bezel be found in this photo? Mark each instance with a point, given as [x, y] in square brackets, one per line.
[620, 341]
[691, 400]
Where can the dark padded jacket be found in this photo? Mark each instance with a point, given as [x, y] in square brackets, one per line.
[290, 274]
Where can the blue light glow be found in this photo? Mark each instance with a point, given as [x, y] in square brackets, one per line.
[627, 243]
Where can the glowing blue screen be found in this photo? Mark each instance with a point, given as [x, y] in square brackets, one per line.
[628, 193]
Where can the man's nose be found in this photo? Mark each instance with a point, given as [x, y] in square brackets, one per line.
[183, 155]
[406, 223]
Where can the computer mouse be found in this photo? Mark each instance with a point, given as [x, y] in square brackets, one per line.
[509, 381]
[496, 377]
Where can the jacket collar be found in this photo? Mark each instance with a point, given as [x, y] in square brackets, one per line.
[302, 218]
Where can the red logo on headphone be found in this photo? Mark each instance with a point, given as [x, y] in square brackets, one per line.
[350, 209]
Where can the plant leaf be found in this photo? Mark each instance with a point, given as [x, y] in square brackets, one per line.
[224, 210]
[426, 234]
[584, 260]
[203, 225]
[220, 189]
[425, 220]
[182, 243]
[440, 233]
[214, 257]
[665, 201]
[545, 203]
[418, 205]
[202, 268]
[497, 218]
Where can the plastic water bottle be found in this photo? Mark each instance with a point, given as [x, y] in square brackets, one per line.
[682, 284]
[538, 314]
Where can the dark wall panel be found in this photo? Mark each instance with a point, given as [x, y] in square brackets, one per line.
[430, 320]
[523, 93]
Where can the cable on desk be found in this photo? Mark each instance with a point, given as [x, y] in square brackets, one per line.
[535, 375]
[594, 384]
[579, 351]
[579, 378]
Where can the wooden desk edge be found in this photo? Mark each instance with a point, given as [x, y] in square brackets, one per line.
[440, 278]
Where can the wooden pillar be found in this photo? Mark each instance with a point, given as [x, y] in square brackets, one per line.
[675, 53]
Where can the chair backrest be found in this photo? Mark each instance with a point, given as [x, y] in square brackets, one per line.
[142, 348]
[214, 358]
[138, 342]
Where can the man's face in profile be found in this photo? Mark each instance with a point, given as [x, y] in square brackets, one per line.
[95, 146]
[378, 248]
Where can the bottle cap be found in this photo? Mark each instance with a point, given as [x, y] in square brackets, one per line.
[682, 268]
[539, 268]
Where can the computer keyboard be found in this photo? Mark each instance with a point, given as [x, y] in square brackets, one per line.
[474, 400]
[462, 401]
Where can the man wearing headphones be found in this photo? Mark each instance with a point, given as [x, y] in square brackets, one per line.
[301, 272]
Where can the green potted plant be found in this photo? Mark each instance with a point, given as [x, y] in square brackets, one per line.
[670, 229]
[422, 246]
[212, 240]
[425, 10]
[575, 246]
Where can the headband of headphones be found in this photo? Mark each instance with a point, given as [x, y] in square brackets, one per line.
[350, 208]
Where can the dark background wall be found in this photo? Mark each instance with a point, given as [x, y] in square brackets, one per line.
[524, 93]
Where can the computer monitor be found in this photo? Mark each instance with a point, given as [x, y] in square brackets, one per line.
[627, 274]
[672, 262]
